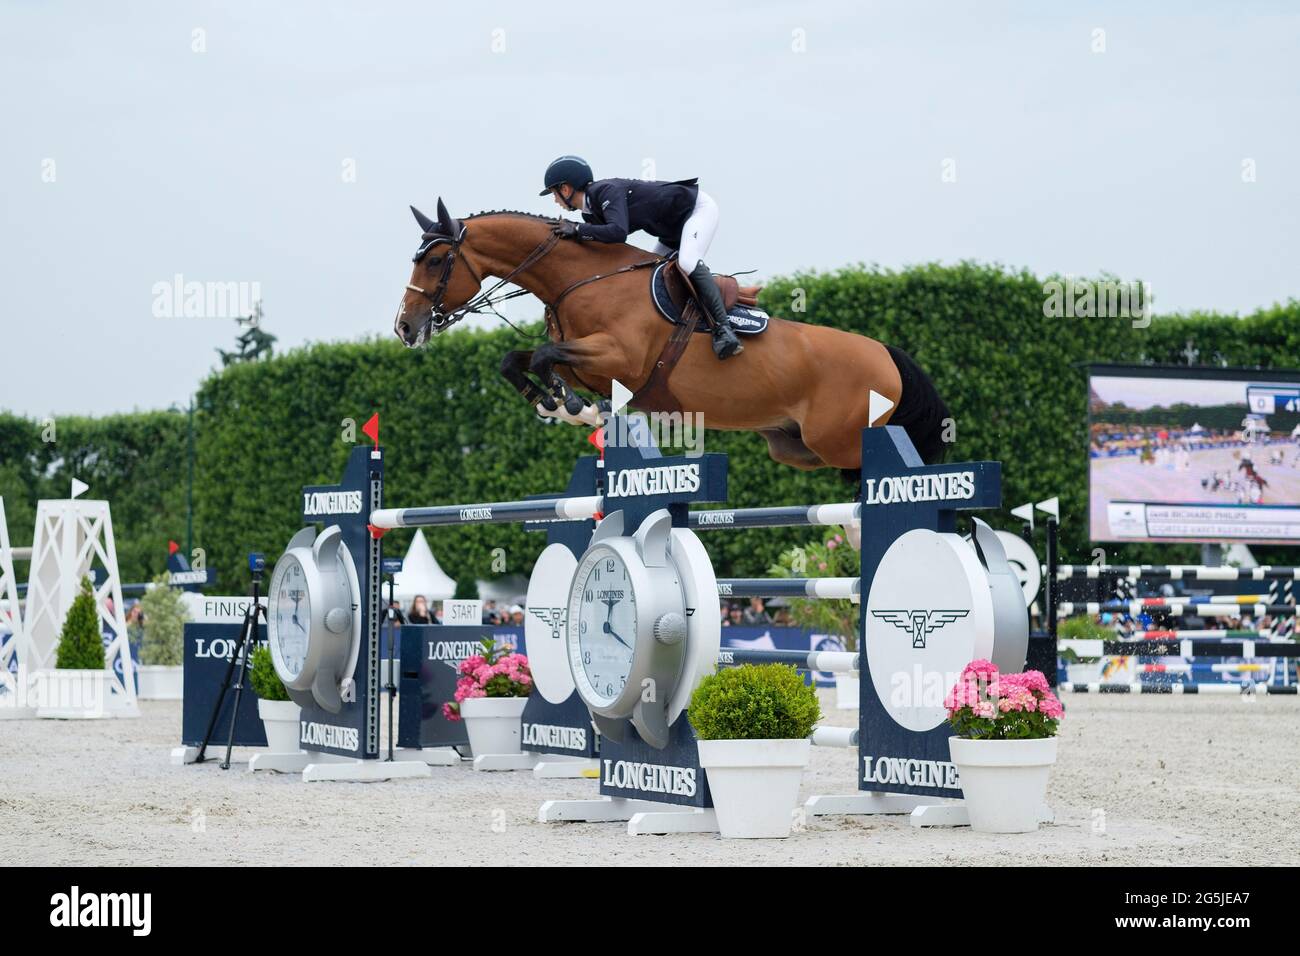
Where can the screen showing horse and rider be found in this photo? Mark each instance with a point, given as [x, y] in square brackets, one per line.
[1181, 454]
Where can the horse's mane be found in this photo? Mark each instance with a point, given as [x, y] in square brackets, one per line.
[512, 212]
[590, 248]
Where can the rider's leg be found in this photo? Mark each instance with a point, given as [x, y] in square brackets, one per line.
[697, 233]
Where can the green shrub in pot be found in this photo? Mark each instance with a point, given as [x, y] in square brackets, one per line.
[266, 682]
[754, 702]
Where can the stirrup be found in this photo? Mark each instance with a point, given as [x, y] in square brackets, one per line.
[726, 343]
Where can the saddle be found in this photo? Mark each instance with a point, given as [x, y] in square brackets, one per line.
[675, 301]
[671, 293]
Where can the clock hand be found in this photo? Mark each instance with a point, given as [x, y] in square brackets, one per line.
[610, 631]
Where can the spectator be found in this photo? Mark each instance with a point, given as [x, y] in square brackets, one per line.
[420, 611]
[135, 624]
[735, 616]
[756, 615]
[516, 615]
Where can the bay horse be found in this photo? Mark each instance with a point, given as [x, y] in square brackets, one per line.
[804, 388]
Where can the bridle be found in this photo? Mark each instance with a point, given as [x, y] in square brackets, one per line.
[485, 301]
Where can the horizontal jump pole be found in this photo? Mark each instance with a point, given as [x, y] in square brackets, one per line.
[1174, 572]
[1167, 668]
[1093, 647]
[492, 512]
[1176, 608]
[1192, 633]
[822, 588]
[834, 736]
[839, 662]
[792, 516]
[582, 508]
[1173, 688]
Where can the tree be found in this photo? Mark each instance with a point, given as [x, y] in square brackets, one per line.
[164, 624]
[81, 645]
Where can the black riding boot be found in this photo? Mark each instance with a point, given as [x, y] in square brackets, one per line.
[725, 342]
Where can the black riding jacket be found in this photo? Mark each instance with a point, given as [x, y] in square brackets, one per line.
[619, 207]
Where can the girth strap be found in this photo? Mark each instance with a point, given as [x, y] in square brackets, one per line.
[655, 391]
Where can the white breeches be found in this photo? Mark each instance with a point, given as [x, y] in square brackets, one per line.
[696, 234]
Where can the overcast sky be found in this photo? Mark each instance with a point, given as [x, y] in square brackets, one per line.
[279, 143]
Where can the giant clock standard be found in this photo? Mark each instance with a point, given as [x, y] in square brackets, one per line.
[626, 631]
[314, 624]
[606, 624]
[290, 617]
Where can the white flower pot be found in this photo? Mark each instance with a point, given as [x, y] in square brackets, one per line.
[755, 784]
[1004, 782]
[280, 718]
[494, 724]
[68, 694]
[848, 691]
[160, 682]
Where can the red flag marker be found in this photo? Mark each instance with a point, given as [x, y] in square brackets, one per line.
[371, 428]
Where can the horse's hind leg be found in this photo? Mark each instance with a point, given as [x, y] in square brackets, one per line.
[785, 445]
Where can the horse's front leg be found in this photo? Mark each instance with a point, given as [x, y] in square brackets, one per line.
[514, 369]
[585, 354]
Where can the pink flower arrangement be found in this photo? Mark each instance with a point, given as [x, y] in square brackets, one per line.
[987, 705]
[497, 672]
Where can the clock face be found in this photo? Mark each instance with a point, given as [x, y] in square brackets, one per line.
[606, 624]
[290, 619]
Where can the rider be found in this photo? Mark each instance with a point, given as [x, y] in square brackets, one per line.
[679, 214]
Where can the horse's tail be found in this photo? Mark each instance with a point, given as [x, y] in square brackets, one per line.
[921, 411]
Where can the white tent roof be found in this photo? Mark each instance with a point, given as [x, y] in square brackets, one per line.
[421, 574]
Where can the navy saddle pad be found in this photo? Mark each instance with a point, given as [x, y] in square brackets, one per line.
[744, 319]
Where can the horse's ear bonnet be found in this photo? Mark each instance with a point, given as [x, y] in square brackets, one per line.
[446, 229]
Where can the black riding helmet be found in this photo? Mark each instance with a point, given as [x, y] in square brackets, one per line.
[567, 169]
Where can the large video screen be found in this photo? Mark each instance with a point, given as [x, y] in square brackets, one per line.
[1189, 454]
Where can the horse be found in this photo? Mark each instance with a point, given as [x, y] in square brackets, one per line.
[804, 388]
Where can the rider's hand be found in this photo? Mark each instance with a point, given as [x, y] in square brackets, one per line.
[565, 229]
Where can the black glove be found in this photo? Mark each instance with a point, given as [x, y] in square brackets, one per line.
[565, 229]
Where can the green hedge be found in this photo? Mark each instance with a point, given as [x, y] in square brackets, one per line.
[136, 462]
[454, 431]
